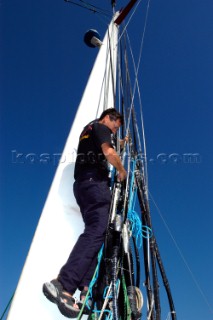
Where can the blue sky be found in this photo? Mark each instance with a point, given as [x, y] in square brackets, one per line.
[44, 66]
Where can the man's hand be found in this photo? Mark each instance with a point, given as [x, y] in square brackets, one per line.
[122, 175]
[114, 159]
[122, 141]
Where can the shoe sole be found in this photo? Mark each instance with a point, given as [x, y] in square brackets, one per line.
[51, 294]
[68, 311]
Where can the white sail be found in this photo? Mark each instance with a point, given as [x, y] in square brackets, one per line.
[60, 223]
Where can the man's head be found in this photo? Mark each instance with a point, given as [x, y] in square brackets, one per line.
[112, 119]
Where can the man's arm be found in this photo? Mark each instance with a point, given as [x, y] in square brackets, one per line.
[114, 159]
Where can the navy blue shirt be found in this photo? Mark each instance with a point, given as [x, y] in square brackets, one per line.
[90, 158]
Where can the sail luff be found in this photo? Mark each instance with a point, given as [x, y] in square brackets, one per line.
[60, 223]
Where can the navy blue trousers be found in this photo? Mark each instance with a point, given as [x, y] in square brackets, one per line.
[93, 197]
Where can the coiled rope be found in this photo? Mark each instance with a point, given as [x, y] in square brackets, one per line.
[138, 230]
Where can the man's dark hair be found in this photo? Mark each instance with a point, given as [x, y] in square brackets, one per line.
[113, 114]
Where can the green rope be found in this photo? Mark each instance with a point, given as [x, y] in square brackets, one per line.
[126, 299]
[7, 307]
[82, 308]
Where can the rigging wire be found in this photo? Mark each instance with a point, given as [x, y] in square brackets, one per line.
[90, 7]
[181, 255]
[125, 31]
[130, 18]
[136, 70]
[138, 88]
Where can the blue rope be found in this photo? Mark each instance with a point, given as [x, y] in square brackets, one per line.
[107, 287]
[105, 311]
[132, 216]
[95, 277]
[138, 230]
[146, 232]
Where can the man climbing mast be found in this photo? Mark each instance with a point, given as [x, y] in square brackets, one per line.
[91, 189]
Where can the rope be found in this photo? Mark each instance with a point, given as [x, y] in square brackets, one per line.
[132, 215]
[126, 300]
[96, 273]
[7, 307]
[93, 281]
[138, 230]
[89, 7]
[105, 297]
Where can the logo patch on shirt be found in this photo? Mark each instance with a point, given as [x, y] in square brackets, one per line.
[84, 137]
